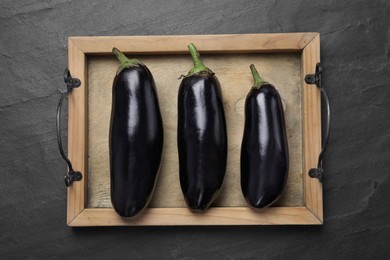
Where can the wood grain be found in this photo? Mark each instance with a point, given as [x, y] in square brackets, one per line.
[226, 43]
[234, 75]
[77, 135]
[214, 216]
[312, 128]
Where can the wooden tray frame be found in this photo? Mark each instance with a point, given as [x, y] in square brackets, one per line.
[307, 44]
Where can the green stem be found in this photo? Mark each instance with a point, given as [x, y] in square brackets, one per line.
[256, 76]
[124, 61]
[198, 64]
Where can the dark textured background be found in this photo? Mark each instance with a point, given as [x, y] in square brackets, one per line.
[355, 51]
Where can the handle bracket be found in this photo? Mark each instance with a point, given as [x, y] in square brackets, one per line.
[71, 83]
[316, 79]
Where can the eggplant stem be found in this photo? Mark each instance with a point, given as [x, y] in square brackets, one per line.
[198, 64]
[256, 77]
[124, 61]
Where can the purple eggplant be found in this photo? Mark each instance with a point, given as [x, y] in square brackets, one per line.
[264, 150]
[201, 136]
[136, 137]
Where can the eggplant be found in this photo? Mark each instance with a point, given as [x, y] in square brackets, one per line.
[136, 137]
[264, 149]
[201, 135]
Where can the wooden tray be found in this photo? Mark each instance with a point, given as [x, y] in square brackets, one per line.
[283, 59]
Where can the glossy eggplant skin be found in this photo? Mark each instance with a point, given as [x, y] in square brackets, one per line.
[264, 150]
[202, 140]
[136, 140]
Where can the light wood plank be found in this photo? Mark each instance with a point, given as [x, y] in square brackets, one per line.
[215, 216]
[226, 43]
[312, 128]
[77, 135]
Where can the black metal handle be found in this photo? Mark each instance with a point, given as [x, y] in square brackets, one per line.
[316, 79]
[71, 83]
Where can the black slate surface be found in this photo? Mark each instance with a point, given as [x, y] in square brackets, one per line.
[355, 51]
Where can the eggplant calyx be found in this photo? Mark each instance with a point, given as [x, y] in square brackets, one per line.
[124, 61]
[256, 77]
[199, 67]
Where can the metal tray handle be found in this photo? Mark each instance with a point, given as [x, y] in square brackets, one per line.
[316, 79]
[71, 83]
